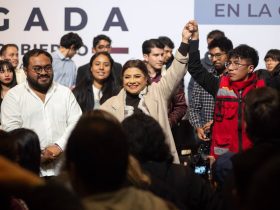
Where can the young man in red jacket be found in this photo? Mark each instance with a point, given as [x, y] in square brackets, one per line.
[228, 131]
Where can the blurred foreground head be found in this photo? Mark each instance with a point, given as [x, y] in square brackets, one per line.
[97, 154]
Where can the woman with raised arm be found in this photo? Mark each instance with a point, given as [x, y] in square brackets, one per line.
[138, 95]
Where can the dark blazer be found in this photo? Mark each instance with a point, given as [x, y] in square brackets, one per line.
[83, 72]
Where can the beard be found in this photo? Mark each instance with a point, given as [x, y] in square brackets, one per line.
[42, 88]
[219, 68]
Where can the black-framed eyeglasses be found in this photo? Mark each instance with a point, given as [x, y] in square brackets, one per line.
[235, 65]
[39, 69]
[216, 55]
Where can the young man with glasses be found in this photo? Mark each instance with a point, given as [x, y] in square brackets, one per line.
[201, 103]
[44, 106]
[228, 130]
[65, 70]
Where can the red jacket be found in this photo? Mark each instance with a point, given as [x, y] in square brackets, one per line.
[228, 131]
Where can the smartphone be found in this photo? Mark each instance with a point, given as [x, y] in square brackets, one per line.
[200, 170]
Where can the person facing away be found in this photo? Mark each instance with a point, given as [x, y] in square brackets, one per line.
[228, 131]
[97, 162]
[138, 95]
[100, 43]
[99, 86]
[44, 106]
[262, 117]
[28, 149]
[201, 103]
[146, 141]
[10, 52]
[64, 68]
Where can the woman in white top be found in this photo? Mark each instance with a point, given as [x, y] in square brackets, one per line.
[95, 90]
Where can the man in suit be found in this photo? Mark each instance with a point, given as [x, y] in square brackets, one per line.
[101, 43]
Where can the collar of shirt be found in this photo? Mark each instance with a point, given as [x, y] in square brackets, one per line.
[61, 56]
[157, 77]
[48, 94]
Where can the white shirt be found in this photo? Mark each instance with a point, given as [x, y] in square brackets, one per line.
[97, 94]
[52, 120]
[20, 75]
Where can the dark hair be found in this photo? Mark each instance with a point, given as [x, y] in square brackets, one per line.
[136, 64]
[245, 52]
[8, 147]
[70, 39]
[215, 34]
[274, 54]
[100, 37]
[262, 114]
[223, 43]
[28, 148]
[151, 43]
[264, 186]
[34, 53]
[98, 150]
[84, 93]
[8, 65]
[166, 41]
[146, 138]
[4, 48]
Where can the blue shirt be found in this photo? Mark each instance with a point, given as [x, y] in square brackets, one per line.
[64, 69]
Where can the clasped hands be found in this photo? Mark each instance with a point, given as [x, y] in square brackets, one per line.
[50, 153]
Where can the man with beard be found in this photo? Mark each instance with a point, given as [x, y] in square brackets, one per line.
[201, 103]
[44, 106]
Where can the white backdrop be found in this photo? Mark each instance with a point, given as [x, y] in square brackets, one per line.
[144, 19]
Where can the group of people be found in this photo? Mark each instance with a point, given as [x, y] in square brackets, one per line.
[127, 141]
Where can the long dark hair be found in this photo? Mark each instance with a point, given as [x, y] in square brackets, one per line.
[8, 65]
[84, 93]
[28, 148]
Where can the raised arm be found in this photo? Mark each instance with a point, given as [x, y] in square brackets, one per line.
[200, 74]
[177, 70]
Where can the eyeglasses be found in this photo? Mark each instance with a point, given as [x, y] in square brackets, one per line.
[217, 55]
[235, 65]
[39, 69]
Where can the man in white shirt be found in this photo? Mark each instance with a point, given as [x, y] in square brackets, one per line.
[44, 106]
[10, 52]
